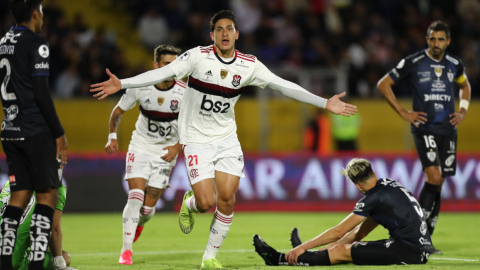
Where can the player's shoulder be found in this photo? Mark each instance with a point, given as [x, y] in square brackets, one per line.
[245, 57]
[181, 84]
[205, 49]
[416, 57]
[453, 58]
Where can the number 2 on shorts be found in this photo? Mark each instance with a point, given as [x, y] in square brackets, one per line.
[190, 158]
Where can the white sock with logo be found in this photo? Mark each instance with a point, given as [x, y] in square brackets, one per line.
[146, 213]
[131, 215]
[191, 204]
[218, 232]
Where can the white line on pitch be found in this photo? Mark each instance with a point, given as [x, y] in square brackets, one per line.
[452, 259]
[228, 250]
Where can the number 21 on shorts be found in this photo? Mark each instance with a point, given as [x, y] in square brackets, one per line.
[191, 158]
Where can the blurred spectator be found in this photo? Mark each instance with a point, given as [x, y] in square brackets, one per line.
[369, 36]
[67, 82]
[153, 29]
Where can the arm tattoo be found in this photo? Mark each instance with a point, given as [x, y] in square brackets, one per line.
[116, 121]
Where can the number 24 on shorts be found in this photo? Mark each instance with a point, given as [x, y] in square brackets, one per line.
[190, 160]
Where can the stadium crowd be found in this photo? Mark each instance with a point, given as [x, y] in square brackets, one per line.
[370, 37]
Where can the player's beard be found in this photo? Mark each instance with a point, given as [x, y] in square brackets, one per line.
[437, 53]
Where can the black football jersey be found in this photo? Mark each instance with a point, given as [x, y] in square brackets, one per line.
[23, 54]
[395, 208]
[433, 84]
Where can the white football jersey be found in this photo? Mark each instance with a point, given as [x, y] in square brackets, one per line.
[157, 124]
[207, 115]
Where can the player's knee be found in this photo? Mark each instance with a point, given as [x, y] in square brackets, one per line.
[338, 253]
[226, 200]
[434, 176]
[204, 203]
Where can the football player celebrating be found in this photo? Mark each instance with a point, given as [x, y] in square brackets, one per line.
[218, 75]
[153, 150]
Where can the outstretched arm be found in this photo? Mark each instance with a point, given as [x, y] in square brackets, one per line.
[290, 89]
[357, 234]
[115, 118]
[114, 85]
[385, 86]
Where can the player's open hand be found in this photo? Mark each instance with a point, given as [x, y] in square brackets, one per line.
[106, 88]
[172, 152]
[62, 148]
[336, 106]
[457, 118]
[292, 255]
[415, 118]
[112, 146]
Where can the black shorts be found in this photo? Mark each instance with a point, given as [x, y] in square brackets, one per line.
[386, 252]
[31, 163]
[436, 150]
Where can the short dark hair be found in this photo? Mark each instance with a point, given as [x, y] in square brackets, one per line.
[439, 26]
[22, 9]
[165, 49]
[358, 170]
[223, 14]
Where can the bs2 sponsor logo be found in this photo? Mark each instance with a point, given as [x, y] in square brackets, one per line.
[209, 105]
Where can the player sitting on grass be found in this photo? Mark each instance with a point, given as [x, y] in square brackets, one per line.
[55, 258]
[385, 202]
[154, 147]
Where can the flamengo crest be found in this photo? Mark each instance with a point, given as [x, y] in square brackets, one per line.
[174, 105]
[236, 80]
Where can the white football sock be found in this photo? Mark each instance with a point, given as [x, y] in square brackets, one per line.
[192, 204]
[146, 213]
[131, 215]
[218, 232]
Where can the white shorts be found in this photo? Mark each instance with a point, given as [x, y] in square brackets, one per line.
[202, 160]
[152, 168]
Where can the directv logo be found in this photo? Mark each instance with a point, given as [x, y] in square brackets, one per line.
[42, 66]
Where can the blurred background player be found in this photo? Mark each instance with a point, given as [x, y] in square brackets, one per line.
[154, 147]
[32, 135]
[213, 155]
[55, 258]
[384, 202]
[433, 75]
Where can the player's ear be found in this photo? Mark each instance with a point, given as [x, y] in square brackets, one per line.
[155, 64]
[448, 41]
[236, 34]
[212, 36]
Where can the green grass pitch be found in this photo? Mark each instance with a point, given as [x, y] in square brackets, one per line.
[94, 240]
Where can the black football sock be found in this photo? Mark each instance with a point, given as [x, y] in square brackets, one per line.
[10, 222]
[427, 199]
[309, 258]
[40, 229]
[432, 220]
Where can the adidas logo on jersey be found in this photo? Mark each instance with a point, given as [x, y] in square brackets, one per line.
[147, 101]
[209, 73]
[42, 66]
